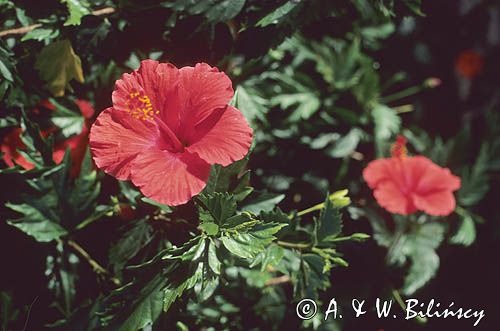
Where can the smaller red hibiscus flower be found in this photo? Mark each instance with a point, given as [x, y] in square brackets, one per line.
[469, 63]
[77, 144]
[404, 184]
[167, 127]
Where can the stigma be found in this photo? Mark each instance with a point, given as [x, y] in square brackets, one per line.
[398, 149]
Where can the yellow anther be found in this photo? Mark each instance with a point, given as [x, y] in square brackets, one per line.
[139, 106]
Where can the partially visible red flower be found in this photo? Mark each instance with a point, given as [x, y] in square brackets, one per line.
[469, 63]
[403, 184]
[10, 145]
[166, 127]
[77, 144]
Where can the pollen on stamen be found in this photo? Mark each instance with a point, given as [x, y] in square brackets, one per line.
[140, 107]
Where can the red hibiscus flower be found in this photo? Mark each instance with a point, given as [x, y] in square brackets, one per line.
[469, 63]
[403, 184]
[77, 144]
[166, 127]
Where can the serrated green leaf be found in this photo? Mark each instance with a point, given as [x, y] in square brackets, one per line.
[251, 104]
[249, 244]
[329, 223]
[217, 207]
[420, 246]
[425, 263]
[466, 232]
[474, 180]
[387, 122]
[77, 9]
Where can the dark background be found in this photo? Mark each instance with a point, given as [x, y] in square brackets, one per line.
[468, 276]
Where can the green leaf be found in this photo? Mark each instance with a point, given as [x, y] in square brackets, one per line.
[346, 145]
[224, 10]
[35, 223]
[251, 104]
[5, 71]
[77, 9]
[425, 263]
[474, 180]
[39, 149]
[387, 122]
[305, 104]
[311, 276]
[164, 208]
[249, 244]
[415, 6]
[420, 245]
[213, 260]
[69, 121]
[270, 257]
[210, 228]
[230, 178]
[217, 207]
[329, 224]
[466, 232]
[265, 202]
[278, 15]
[41, 34]
[147, 305]
[82, 197]
[58, 64]
[8, 313]
[130, 244]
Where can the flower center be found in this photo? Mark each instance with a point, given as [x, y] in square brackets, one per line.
[139, 106]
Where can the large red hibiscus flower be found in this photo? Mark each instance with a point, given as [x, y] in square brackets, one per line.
[404, 184]
[166, 127]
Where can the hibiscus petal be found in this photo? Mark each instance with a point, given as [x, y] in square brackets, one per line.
[12, 141]
[432, 177]
[116, 138]
[378, 171]
[169, 178]
[157, 81]
[438, 203]
[134, 82]
[204, 89]
[224, 137]
[390, 197]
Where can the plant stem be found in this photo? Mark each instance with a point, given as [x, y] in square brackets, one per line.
[402, 304]
[293, 245]
[26, 29]
[314, 208]
[402, 94]
[100, 270]
[278, 280]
